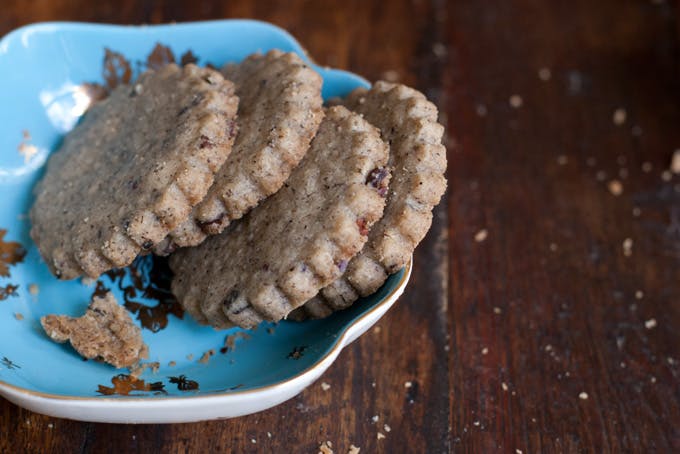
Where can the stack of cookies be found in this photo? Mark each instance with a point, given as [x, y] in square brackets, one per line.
[269, 204]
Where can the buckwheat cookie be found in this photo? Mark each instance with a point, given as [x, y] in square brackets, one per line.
[106, 332]
[408, 122]
[279, 113]
[295, 242]
[132, 170]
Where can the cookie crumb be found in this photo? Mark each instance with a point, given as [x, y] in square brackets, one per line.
[375, 419]
[627, 247]
[619, 116]
[497, 310]
[390, 75]
[651, 323]
[172, 364]
[325, 386]
[326, 448]
[562, 159]
[439, 50]
[639, 294]
[544, 74]
[504, 386]
[50, 426]
[87, 281]
[666, 176]
[105, 331]
[485, 351]
[19, 316]
[652, 379]
[516, 101]
[380, 435]
[615, 187]
[481, 235]
[353, 450]
[518, 451]
[583, 395]
[230, 341]
[408, 384]
[26, 149]
[387, 428]
[206, 356]
[675, 162]
[33, 289]
[137, 370]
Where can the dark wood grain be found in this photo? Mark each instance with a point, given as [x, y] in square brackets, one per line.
[498, 338]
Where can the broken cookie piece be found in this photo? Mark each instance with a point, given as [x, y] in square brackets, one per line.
[106, 331]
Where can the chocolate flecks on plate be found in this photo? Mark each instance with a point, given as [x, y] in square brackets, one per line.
[7, 291]
[160, 56]
[116, 69]
[187, 58]
[230, 341]
[150, 276]
[124, 384]
[183, 383]
[9, 364]
[11, 253]
[298, 352]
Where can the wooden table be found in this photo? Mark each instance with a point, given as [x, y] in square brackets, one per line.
[547, 335]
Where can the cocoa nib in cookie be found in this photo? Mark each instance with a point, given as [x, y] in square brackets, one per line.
[379, 179]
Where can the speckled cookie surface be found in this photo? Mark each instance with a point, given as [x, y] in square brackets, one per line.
[132, 170]
[106, 331]
[296, 241]
[408, 122]
[279, 113]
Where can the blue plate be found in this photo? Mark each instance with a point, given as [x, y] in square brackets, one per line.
[42, 71]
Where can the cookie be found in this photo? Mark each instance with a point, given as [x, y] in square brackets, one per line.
[133, 169]
[279, 113]
[408, 122]
[296, 241]
[106, 332]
